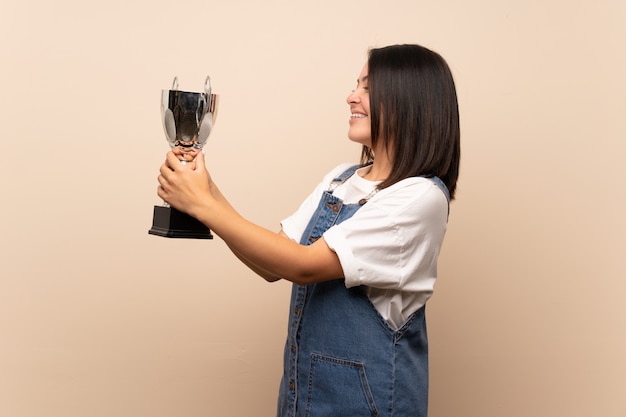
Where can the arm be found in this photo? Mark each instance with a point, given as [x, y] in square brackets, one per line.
[268, 276]
[190, 188]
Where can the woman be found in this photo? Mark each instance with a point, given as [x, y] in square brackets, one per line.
[362, 248]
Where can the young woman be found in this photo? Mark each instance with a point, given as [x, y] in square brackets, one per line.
[362, 248]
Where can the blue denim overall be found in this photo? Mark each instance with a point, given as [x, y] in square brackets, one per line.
[341, 358]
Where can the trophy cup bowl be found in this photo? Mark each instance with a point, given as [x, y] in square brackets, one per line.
[188, 119]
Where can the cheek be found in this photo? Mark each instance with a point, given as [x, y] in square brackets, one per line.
[366, 104]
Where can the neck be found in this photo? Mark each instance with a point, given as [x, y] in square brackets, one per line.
[379, 170]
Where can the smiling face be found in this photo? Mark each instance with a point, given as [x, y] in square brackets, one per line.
[359, 102]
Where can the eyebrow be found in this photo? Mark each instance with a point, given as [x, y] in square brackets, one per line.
[364, 79]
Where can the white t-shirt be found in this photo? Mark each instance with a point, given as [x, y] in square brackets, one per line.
[390, 245]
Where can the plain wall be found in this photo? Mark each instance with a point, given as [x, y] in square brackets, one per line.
[100, 319]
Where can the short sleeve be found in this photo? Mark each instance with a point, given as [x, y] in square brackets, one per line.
[394, 240]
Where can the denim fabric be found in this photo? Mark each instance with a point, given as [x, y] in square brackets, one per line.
[341, 358]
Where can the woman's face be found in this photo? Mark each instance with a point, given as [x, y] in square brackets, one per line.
[359, 102]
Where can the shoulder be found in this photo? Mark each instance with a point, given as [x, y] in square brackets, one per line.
[404, 215]
[416, 196]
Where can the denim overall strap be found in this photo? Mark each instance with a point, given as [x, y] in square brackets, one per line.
[320, 222]
[443, 188]
[343, 177]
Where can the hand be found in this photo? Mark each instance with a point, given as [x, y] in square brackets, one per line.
[185, 187]
[186, 154]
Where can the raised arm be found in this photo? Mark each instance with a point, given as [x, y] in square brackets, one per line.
[189, 188]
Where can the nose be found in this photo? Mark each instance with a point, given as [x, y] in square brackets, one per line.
[353, 97]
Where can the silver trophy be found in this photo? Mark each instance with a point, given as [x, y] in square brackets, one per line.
[188, 119]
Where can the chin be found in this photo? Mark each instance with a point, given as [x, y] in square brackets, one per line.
[366, 141]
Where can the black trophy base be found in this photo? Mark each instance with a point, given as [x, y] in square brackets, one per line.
[169, 222]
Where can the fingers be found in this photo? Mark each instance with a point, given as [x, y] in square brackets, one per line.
[169, 167]
[188, 154]
[161, 193]
[164, 186]
[172, 162]
[199, 161]
[166, 170]
[162, 181]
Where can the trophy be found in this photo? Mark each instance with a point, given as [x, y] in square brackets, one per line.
[188, 119]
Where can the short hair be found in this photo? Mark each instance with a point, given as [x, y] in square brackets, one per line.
[414, 111]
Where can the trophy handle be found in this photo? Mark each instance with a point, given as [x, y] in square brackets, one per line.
[175, 84]
[207, 86]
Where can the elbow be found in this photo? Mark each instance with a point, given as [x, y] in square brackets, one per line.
[301, 280]
[306, 277]
[271, 279]
[318, 264]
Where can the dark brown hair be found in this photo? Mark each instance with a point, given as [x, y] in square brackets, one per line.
[414, 111]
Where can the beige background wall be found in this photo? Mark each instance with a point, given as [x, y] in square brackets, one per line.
[99, 319]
